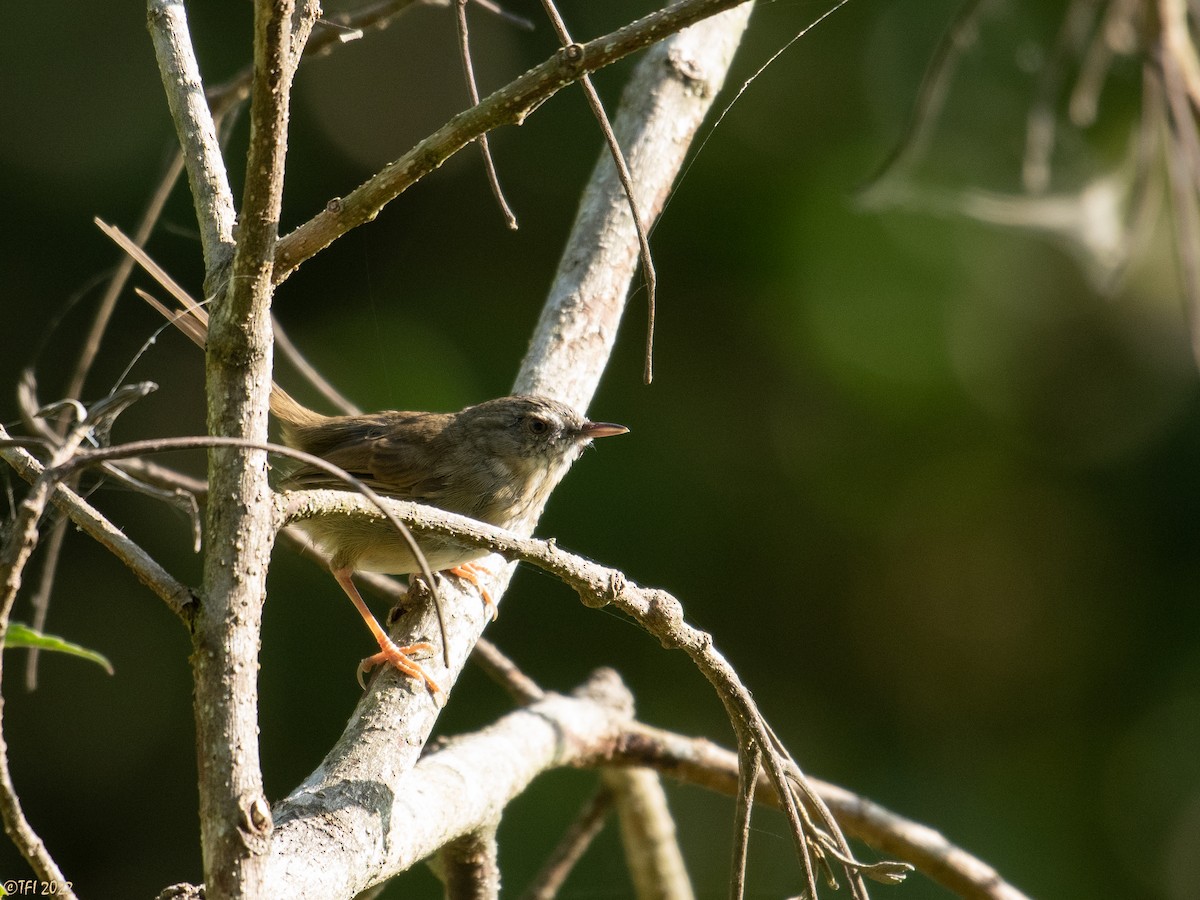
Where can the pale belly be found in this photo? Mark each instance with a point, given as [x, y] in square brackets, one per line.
[378, 547]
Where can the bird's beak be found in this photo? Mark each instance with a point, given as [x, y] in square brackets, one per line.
[600, 429]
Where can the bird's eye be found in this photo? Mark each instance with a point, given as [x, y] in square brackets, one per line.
[537, 425]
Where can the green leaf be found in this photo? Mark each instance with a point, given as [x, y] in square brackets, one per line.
[23, 636]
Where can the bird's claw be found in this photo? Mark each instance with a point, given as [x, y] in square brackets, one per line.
[400, 658]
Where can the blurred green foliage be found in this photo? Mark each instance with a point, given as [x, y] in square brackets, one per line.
[933, 496]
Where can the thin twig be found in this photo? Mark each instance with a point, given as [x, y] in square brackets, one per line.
[195, 128]
[509, 105]
[576, 839]
[164, 478]
[523, 689]
[648, 835]
[748, 768]
[18, 544]
[89, 520]
[1178, 45]
[1097, 61]
[373, 16]
[505, 15]
[618, 158]
[489, 165]
[662, 107]
[224, 100]
[93, 523]
[701, 762]
[116, 284]
[40, 602]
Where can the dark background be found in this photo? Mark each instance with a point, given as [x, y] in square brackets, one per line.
[932, 493]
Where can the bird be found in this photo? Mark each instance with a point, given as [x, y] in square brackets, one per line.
[495, 461]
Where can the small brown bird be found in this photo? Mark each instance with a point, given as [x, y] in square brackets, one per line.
[495, 462]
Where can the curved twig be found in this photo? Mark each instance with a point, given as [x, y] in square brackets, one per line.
[655, 610]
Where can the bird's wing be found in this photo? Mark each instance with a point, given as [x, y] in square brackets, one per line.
[390, 451]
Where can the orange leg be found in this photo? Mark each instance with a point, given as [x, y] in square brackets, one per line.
[471, 572]
[389, 653]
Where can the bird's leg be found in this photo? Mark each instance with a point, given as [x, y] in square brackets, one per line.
[471, 572]
[389, 652]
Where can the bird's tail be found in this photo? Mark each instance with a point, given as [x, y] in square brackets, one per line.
[192, 319]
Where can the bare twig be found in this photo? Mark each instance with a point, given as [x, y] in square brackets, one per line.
[224, 99]
[15, 551]
[372, 16]
[1178, 46]
[504, 671]
[1041, 120]
[618, 158]
[489, 165]
[668, 95]
[749, 765]
[116, 283]
[1119, 19]
[570, 849]
[164, 478]
[175, 594]
[509, 105]
[195, 128]
[701, 762]
[648, 835]
[40, 602]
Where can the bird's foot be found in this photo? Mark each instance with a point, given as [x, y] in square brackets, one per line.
[400, 658]
[471, 572]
